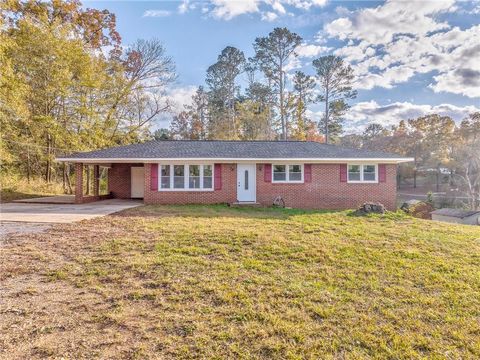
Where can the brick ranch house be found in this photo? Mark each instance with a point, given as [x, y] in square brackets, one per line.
[303, 174]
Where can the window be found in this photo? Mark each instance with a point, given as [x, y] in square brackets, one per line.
[287, 173]
[194, 177]
[246, 179]
[279, 173]
[294, 173]
[369, 173]
[362, 173]
[207, 176]
[178, 176]
[165, 177]
[185, 177]
[354, 173]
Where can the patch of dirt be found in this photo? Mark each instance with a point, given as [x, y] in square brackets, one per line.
[11, 227]
[36, 310]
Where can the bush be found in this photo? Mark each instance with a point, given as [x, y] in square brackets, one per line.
[421, 210]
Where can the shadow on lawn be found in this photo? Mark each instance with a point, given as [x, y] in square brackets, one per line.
[220, 210]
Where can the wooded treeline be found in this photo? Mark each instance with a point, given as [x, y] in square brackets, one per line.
[272, 103]
[437, 145]
[67, 84]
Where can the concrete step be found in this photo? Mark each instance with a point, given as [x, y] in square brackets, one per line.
[245, 204]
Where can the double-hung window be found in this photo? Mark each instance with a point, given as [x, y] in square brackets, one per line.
[188, 177]
[283, 173]
[362, 173]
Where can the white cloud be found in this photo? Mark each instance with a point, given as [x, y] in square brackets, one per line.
[363, 113]
[278, 7]
[379, 25]
[460, 81]
[156, 13]
[185, 6]
[311, 50]
[269, 16]
[228, 9]
[391, 43]
[269, 10]
[180, 96]
[305, 4]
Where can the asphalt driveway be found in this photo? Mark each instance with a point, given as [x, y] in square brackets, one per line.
[25, 218]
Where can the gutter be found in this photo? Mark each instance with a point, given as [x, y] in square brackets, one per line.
[235, 160]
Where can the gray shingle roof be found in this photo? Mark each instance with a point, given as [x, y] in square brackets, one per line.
[457, 213]
[218, 149]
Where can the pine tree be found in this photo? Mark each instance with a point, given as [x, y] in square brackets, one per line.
[272, 53]
[335, 79]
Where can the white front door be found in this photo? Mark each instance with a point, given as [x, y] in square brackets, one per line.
[137, 182]
[246, 182]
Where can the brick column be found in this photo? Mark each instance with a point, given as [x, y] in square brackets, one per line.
[96, 180]
[78, 183]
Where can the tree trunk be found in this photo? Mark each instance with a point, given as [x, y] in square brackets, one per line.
[47, 166]
[64, 178]
[69, 183]
[282, 114]
[326, 115]
[28, 165]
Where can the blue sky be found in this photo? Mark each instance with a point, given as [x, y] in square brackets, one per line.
[411, 58]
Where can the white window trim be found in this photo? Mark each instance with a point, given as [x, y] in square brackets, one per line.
[361, 181]
[288, 181]
[186, 177]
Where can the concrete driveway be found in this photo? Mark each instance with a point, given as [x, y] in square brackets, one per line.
[63, 213]
[27, 218]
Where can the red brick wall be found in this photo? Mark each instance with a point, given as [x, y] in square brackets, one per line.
[119, 180]
[227, 194]
[325, 191]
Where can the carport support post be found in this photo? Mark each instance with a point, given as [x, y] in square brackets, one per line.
[78, 183]
[96, 180]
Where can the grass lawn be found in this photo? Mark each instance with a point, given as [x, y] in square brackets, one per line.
[214, 282]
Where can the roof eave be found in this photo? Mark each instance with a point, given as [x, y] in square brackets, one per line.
[230, 160]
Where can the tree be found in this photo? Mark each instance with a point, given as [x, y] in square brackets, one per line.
[260, 97]
[335, 79]
[199, 113]
[141, 97]
[373, 131]
[303, 86]
[162, 134]
[253, 119]
[466, 158]
[66, 91]
[430, 137]
[221, 80]
[272, 54]
[180, 126]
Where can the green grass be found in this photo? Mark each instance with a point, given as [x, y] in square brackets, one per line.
[215, 282]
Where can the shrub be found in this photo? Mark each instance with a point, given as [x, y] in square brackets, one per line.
[421, 210]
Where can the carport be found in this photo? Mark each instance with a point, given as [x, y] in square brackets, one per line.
[102, 180]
